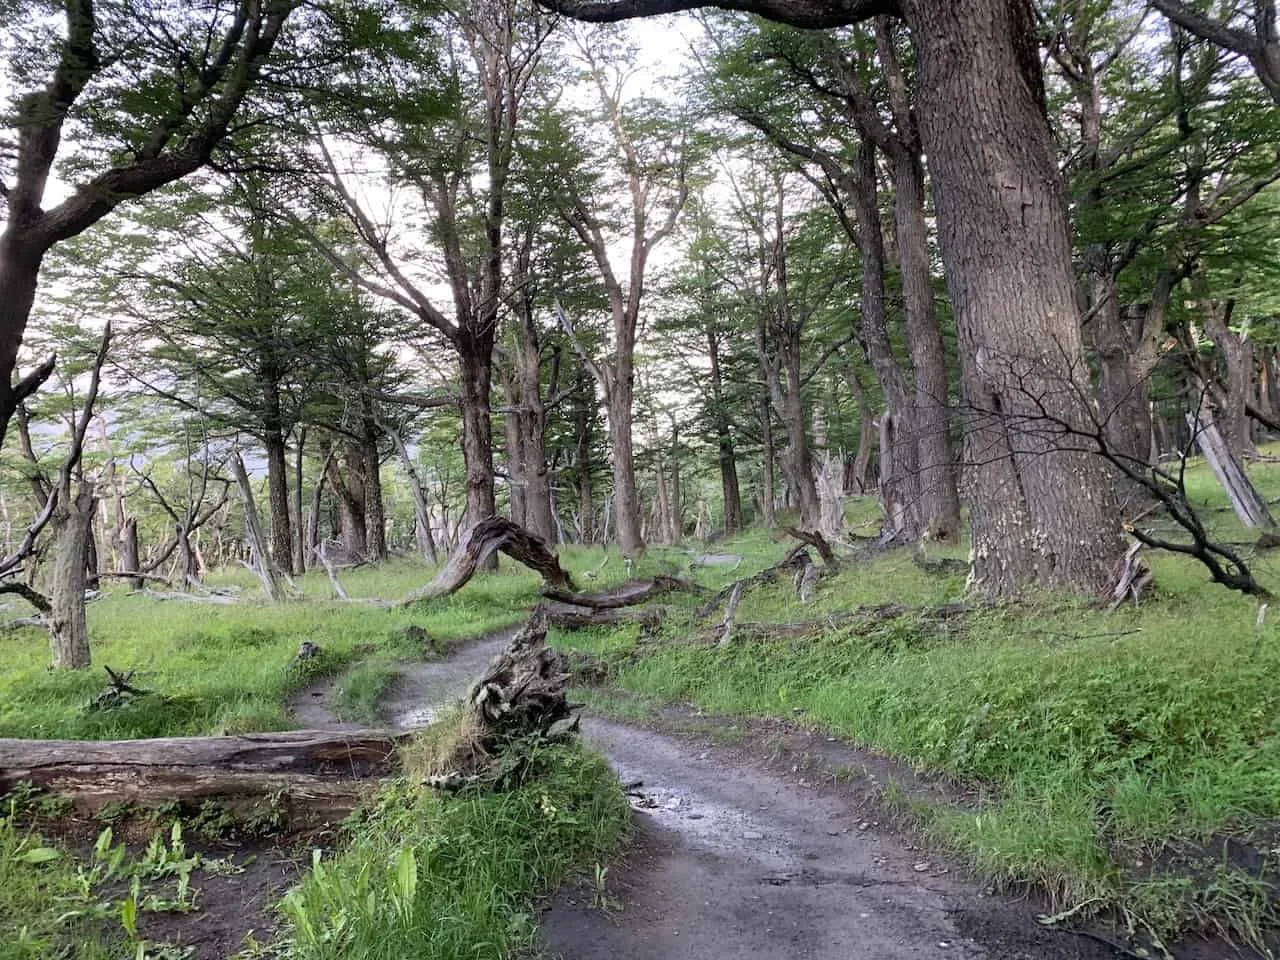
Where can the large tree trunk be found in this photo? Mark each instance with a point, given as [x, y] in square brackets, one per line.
[939, 499]
[299, 522]
[857, 483]
[899, 437]
[1040, 513]
[68, 632]
[19, 276]
[1124, 392]
[129, 554]
[583, 410]
[529, 418]
[731, 493]
[375, 520]
[349, 493]
[278, 497]
[475, 367]
[768, 454]
[1236, 386]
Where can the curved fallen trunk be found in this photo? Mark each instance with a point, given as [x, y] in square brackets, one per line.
[304, 776]
[627, 595]
[478, 543]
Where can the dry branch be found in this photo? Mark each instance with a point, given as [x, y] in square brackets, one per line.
[569, 617]
[478, 543]
[819, 543]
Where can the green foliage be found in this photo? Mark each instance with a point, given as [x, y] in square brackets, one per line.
[439, 875]
[1103, 755]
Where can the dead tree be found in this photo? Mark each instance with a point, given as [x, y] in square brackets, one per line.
[478, 543]
[312, 776]
[274, 582]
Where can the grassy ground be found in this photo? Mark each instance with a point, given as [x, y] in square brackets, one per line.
[1126, 759]
[230, 669]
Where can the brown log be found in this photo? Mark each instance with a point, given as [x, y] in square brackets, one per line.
[477, 544]
[819, 543]
[627, 595]
[570, 617]
[314, 776]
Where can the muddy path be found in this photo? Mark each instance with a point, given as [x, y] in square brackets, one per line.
[735, 858]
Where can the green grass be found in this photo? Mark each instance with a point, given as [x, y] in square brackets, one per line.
[230, 669]
[456, 876]
[1112, 754]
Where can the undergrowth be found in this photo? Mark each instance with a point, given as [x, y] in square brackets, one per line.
[449, 876]
[1130, 759]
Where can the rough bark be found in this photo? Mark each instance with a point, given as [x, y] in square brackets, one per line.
[730, 491]
[475, 367]
[317, 775]
[129, 559]
[68, 631]
[278, 500]
[1038, 512]
[583, 410]
[482, 540]
[375, 520]
[626, 497]
[768, 453]
[899, 434]
[299, 521]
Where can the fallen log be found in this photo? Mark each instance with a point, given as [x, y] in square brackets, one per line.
[307, 776]
[571, 617]
[478, 542]
[627, 595]
[795, 560]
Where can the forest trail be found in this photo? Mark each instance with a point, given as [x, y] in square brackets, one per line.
[733, 861]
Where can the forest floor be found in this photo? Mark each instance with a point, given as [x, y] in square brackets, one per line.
[1116, 772]
[751, 840]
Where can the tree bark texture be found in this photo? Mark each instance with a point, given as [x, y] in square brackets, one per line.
[899, 433]
[730, 491]
[1039, 513]
[68, 632]
[483, 539]
[318, 775]
[475, 367]
[278, 497]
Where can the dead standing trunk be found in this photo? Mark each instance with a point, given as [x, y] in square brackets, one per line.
[68, 631]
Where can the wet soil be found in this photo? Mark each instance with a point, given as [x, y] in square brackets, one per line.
[761, 840]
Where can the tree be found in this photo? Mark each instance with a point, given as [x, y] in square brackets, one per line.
[1040, 512]
[156, 93]
[653, 155]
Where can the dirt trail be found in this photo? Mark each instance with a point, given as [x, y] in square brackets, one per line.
[735, 861]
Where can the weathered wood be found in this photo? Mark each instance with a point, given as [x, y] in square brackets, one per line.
[318, 775]
[521, 693]
[478, 543]
[1248, 504]
[627, 595]
[818, 542]
[569, 617]
[793, 561]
